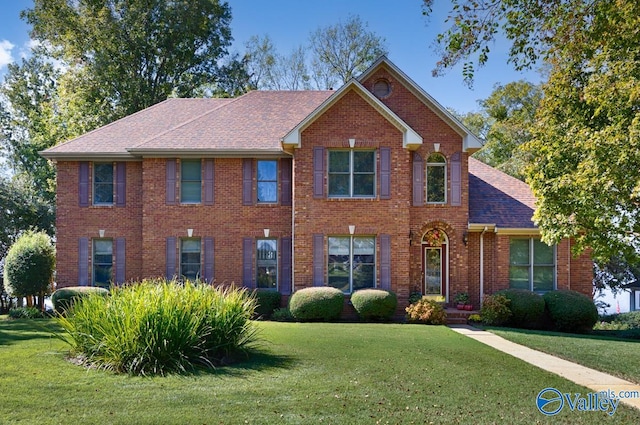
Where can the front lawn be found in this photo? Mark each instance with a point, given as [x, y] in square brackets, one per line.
[304, 374]
[618, 357]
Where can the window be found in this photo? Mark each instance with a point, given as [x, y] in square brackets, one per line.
[190, 258]
[352, 174]
[190, 181]
[267, 181]
[531, 265]
[103, 184]
[267, 263]
[102, 262]
[436, 179]
[352, 263]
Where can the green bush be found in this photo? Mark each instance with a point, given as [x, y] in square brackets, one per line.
[429, 312]
[570, 311]
[631, 319]
[374, 304]
[495, 310]
[29, 265]
[25, 313]
[267, 300]
[63, 298]
[321, 303]
[527, 308]
[160, 327]
[282, 315]
[414, 297]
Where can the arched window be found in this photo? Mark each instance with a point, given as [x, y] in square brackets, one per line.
[436, 179]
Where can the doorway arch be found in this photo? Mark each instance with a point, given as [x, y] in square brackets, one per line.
[435, 263]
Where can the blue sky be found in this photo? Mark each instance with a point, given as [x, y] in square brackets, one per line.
[408, 34]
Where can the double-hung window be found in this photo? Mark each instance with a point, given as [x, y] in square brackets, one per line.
[267, 181]
[102, 262]
[191, 181]
[103, 183]
[352, 173]
[436, 179]
[190, 258]
[352, 263]
[532, 265]
[267, 263]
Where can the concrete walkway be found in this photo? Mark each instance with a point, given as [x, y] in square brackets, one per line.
[581, 375]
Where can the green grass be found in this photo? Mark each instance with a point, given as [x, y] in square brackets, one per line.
[618, 357]
[304, 374]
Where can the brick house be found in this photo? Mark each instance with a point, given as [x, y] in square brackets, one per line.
[370, 185]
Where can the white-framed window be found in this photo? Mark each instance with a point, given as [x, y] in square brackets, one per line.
[352, 262]
[532, 265]
[267, 263]
[267, 181]
[436, 179]
[102, 263]
[190, 259]
[103, 177]
[352, 173]
[190, 181]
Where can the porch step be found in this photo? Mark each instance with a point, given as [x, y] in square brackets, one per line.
[458, 317]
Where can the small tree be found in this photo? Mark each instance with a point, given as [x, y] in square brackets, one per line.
[29, 266]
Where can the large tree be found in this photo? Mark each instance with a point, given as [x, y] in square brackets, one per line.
[125, 55]
[586, 145]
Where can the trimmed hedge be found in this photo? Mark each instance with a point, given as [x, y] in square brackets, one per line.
[63, 298]
[495, 310]
[322, 303]
[374, 304]
[570, 311]
[527, 308]
[267, 300]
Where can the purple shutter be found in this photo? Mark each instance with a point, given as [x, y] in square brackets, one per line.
[83, 261]
[247, 262]
[171, 178]
[385, 173]
[171, 258]
[208, 181]
[385, 262]
[121, 184]
[456, 180]
[120, 260]
[318, 260]
[318, 172]
[208, 259]
[247, 181]
[83, 184]
[418, 180]
[285, 266]
[285, 182]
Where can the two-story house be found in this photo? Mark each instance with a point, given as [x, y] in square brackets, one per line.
[367, 186]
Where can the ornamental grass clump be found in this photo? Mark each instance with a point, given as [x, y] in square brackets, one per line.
[158, 327]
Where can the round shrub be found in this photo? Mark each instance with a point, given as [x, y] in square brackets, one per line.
[29, 265]
[322, 303]
[429, 312]
[570, 311]
[527, 308]
[374, 304]
[495, 310]
[267, 300]
[63, 298]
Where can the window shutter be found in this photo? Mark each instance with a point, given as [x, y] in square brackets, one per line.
[83, 261]
[83, 184]
[121, 184]
[171, 169]
[318, 172]
[171, 258]
[208, 259]
[285, 182]
[456, 180]
[418, 180]
[318, 260]
[120, 260]
[385, 262]
[208, 182]
[247, 262]
[247, 181]
[285, 266]
[385, 173]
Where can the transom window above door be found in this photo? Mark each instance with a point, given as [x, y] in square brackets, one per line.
[352, 173]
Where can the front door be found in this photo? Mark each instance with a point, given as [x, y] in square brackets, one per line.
[434, 269]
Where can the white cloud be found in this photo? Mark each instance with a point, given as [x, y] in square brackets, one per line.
[5, 53]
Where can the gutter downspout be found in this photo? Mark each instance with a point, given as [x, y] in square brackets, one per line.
[482, 264]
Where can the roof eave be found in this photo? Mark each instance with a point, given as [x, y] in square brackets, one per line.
[209, 153]
[88, 156]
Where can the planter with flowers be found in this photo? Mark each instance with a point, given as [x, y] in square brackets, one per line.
[462, 301]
